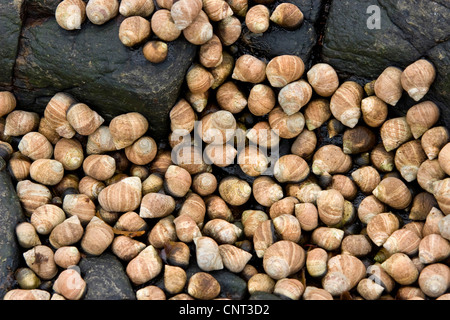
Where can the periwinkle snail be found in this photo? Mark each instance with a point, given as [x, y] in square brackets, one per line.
[330, 212]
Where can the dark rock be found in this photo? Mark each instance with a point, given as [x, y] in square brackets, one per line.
[105, 278]
[259, 295]
[410, 30]
[10, 215]
[97, 69]
[10, 26]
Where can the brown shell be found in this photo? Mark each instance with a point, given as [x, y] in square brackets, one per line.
[163, 26]
[7, 102]
[324, 79]
[199, 79]
[67, 256]
[207, 254]
[266, 191]
[295, 95]
[330, 159]
[286, 126]
[229, 30]
[253, 161]
[374, 111]
[344, 273]
[328, 238]
[40, 259]
[393, 192]
[434, 279]
[367, 178]
[381, 159]
[99, 166]
[204, 183]
[131, 221]
[27, 294]
[316, 113]
[345, 103]
[231, 98]
[200, 30]
[402, 240]
[101, 11]
[291, 288]
[316, 262]
[283, 259]
[47, 171]
[184, 12]
[417, 78]
[32, 195]
[222, 231]
[162, 232]
[287, 15]
[422, 117]
[177, 181]
[283, 206]
[408, 158]
[27, 236]
[287, 227]
[142, 8]
[356, 244]
[257, 18]
[20, 122]
[261, 99]
[220, 155]
[444, 158]
[127, 128]
[19, 166]
[369, 289]
[126, 248]
[195, 207]
[98, 235]
[433, 248]
[35, 145]
[70, 284]
[55, 113]
[344, 185]
[284, 69]
[186, 228]
[290, 168]
[155, 51]
[69, 152]
[174, 279]
[217, 9]
[263, 135]
[145, 266]
[79, 205]
[46, 217]
[216, 207]
[248, 68]
[122, 196]
[314, 293]
[358, 140]
[401, 268]
[394, 132]
[381, 227]
[388, 86]
[134, 30]
[234, 190]
[203, 286]
[433, 140]
[305, 144]
[83, 119]
[330, 206]
[307, 215]
[142, 151]
[210, 53]
[251, 219]
[100, 141]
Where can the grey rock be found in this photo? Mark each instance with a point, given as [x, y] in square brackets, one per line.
[11, 214]
[259, 295]
[105, 278]
[97, 69]
[10, 26]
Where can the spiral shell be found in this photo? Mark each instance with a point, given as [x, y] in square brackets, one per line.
[249, 69]
[434, 279]
[142, 8]
[393, 192]
[8, 102]
[345, 103]
[408, 158]
[402, 240]
[55, 113]
[266, 191]
[184, 12]
[70, 284]
[127, 128]
[134, 30]
[417, 78]
[207, 254]
[307, 215]
[284, 69]
[283, 259]
[374, 111]
[253, 161]
[163, 232]
[234, 191]
[261, 99]
[381, 227]
[40, 259]
[295, 95]
[291, 168]
[327, 238]
[145, 266]
[32, 195]
[163, 26]
[422, 117]
[69, 152]
[344, 273]
[199, 79]
[101, 11]
[287, 227]
[316, 113]
[367, 178]
[203, 286]
[433, 140]
[257, 18]
[217, 9]
[286, 126]
[20, 122]
[401, 268]
[433, 248]
[314, 293]
[234, 258]
[305, 144]
[287, 15]
[35, 145]
[262, 135]
[97, 237]
[200, 30]
[142, 151]
[229, 30]
[231, 98]
[330, 159]
[47, 171]
[67, 233]
[324, 79]
[122, 196]
[27, 236]
[210, 53]
[388, 86]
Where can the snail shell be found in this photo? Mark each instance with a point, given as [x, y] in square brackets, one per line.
[381, 159]
[90, 187]
[35, 145]
[203, 286]
[174, 279]
[251, 219]
[20, 122]
[27, 236]
[27, 294]
[422, 117]
[393, 192]
[323, 78]
[388, 86]
[163, 232]
[122, 196]
[283, 206]
[402, 240]
[249, 69]
[100, 141]
[32, 195]
[46, 217]
[344, 185]
[229, 30]
[70, 14]
[408, 158]
[328, 238]
[431, 224]
[195, 207]
[55, 113]
[261, 99]
[222, 231]
[155, 51]
[210, 53]
[316, 262]
[401, 268]
[220, 155]
[79, 205]
[422, 204]
[142, 8]
[359, 139]
[283, 259]
[207, 254]
[266, 191]
[369, 289]
[286, 126]
[344, 273]
[67, 233]
[433, 248]
[316, 113]
[444, 158]
[291, 168]
[131, 221]
[257, 18]
[441, 193]
[47, 171]
[357, 245]
[234, 191]
[377, 274]
[204, 183]
[177, 181]
[40, 259]
[287, 15]
[263, 237]
[313, 293]
[394, 132]
[67, 256]
[70, 284]
[374, 111]
[345, 103]
[46, 129]
[433, 140]
[330, 159]
[218, 127]
[150, 293]
[262, 135]
[234, 258]
[127, 128]
[69, 152]
[231, 98]
[163, 26]
[295, 95]
[434, 279]
[178, 253]
[184, 12]
[367, 178]
[290, 288]
[330, 206]
[97, 237]
[99, 166]
[101, 11]
[287, 227]
[8, 102]
[307, 215]
[381, 227]
[142, 151]
[186, 228]
[444, 227]
[199, 79]
[305, 144]
[284, 69]
[253, 161]
[216, 208]
[145, 266]
[19, 166]
[126, 248]
[417, 78]
[200, 30]
[134, 30]
[217, 9]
